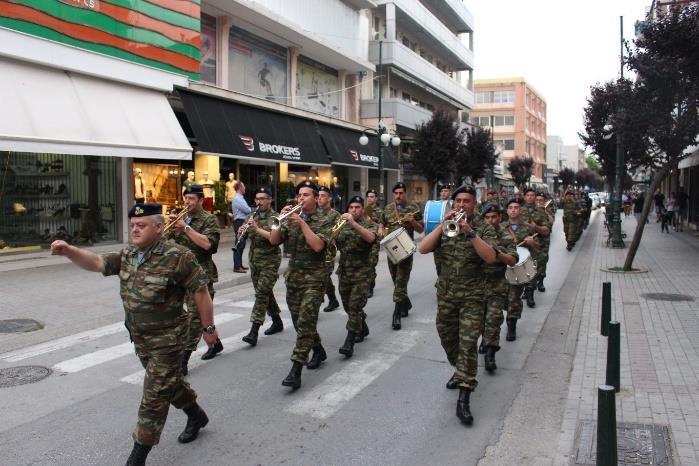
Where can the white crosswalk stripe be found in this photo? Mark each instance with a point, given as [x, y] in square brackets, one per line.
[250, 304]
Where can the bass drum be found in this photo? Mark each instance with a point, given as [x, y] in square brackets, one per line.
[434, 214]
[398, 245]
[525, 269]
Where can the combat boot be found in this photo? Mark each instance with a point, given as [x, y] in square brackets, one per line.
[318, 357]
[348, 348]
[185, 361]
[530, 298]
[213, 351]
[407, 305]
[511, 330]
[463, 408]
[293, 380]
[332, 305]
[196, 420]
[363, 334]
[452, 384]
[397, 312]
[371, 293]
[276, 327]
[540, 286]
[490, 359]
[251, 338]
[481, 349]
[138, 455]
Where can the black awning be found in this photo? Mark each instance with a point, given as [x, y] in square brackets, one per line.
[344, 148]
[225, 127]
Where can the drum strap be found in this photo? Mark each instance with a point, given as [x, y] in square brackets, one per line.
[512, 233]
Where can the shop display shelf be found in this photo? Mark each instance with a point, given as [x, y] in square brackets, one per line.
[37, 196]
[41, 175]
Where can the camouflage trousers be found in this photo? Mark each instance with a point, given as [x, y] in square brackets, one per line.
[570, 228]
[163, 385]
[400, 274]
[496, 302]
[195, 328]
[460, 315]
[354, 292]
[263, 280]
[437, 264]
[374, 260]
[541, 260]
[514, 302]
[304, 295]
[330, 286]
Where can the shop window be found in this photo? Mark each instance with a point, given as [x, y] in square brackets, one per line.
[208, 49]
[159, 182]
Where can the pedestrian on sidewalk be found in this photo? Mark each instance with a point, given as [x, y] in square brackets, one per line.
[659, 200]
[682, 198]
[241, 210]
[671, 208]
[664, 221]
[638, 201]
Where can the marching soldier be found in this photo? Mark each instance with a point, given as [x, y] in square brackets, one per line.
[155, 275]
[521, 232]
[545, 241]
[374, 213]
[406, 214]
[264, 262]
[460, 293]
[200, 234]
[324, 208]
[570, 219]
[536, 217]
[495, 285]
[490, 197]
[355, 242]
[308, 233]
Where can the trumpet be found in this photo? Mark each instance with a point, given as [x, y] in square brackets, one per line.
[451, 227]
[280, 220]
[337, 227]
[401, 219]
[182, 214]
[244, 229]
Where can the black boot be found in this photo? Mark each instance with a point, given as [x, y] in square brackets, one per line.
[348, 348]
[276, 327]
[185, 361]
[371, 293]
[397, 312]
[332, 305]
[251, 338]
[407, 305]
[318, 357]
[365, 333]
[293, 380]
[481, 349]
[463, 408]
[213, 351]
[540, 286]
[196, 420]
[451, 384]
[490, 359]
[511, 330]
[138, 455]
[530, 298]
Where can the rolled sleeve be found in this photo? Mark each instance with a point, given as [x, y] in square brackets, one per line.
[112, 263]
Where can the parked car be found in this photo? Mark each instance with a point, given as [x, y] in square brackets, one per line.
[594, 197]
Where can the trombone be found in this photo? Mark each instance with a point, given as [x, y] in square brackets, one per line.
[451, 227]
[171, 223]
[280, 220]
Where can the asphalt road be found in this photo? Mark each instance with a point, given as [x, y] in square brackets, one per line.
[385, 405]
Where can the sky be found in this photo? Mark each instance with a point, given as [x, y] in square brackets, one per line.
[561, 47]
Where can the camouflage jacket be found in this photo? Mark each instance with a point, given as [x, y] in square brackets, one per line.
[518, 232]
[262, 252]
[537, 215]
[303, 259]
[505, 244]
[153, 290]
[354, 251]
[389, 217]
[570, 209]
[206, 224]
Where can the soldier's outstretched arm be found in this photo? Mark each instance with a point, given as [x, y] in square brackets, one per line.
[206, 312]
[83, 258]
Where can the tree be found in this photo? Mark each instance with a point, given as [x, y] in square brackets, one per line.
[567, 177]
[437, 141]
[592, 164]
[520, 169]
[476, 155]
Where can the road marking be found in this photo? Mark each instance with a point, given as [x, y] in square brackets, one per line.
[95, 358]
[230, 345]
[251, 304]
[327, 398]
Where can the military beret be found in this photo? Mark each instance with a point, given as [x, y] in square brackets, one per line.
[307, 184]
[355, 200]
[443, 186]
[195, 189]
[264, 191]
[464, 188]
[371, 191]
[145, 210]
[324, 188]
[491, 207]
[399, 185]
[540, 194]
[528, 190]
[513, 200]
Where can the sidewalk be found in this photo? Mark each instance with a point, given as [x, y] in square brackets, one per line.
[659, 345]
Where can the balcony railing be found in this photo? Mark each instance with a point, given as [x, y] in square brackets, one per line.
[458, 16]
[404, 113]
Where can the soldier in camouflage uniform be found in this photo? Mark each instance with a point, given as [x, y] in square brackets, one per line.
[355, 242]
[490, 197]
[200, 234]
[570, 219]
[154, 276]
[496, 288]
[401, 213]
[545, 241]
[460, 293]
[520, 232]
[373, 213]
[333, 216]
[264, 260]
[536, 217]
[308, 233]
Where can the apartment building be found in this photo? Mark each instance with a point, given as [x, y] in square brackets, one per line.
[516, 114]
[574, 157]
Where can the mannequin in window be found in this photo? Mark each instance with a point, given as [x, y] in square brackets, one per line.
[188, 182]
[230, 190]
[139, 186]
[209, 194]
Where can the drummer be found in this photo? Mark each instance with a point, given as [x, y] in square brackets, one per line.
[444, 196]
[397, 214]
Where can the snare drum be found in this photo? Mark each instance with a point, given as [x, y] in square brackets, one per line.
[434, 214]
[525, 269]
[398, 245]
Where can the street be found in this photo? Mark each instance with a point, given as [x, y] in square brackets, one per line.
[385, 405]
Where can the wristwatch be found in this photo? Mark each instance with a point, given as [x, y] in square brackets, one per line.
[471, 234]
[187, 228]
[210, 329]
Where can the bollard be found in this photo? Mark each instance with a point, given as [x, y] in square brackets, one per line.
[613, 355]
[606, 308]
[606, 426]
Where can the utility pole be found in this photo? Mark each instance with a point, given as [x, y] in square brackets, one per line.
[617, 240]
[382, 191]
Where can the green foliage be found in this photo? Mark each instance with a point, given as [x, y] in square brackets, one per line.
[220, 205]
[567, 177]
[520, 169]
[476, 155]
[437, 142]
[592, 164]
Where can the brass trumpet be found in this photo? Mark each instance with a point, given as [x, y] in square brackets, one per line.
[280, 220]
[337, 227]
[182, 214]
[401, 219]
[451, 227]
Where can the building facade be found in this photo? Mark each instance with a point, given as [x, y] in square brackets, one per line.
[574, 157]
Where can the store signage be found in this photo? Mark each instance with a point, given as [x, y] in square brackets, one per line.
[89, 4]
[364, 157]
[287, 152]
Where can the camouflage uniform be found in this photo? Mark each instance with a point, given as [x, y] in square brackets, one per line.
[354, 269]
[538, 216]
[306, 279]
[375, 214]
[264, 260]
[570, 220]
[332, 217]
[206, 224]
[153, 290]
[400, 272]
[545, 243]
[461, 302]
[496, 289]
[514, 307]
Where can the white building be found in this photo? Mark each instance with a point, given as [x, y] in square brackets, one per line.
[574, 157]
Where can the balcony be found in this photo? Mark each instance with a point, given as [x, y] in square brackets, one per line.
[404, 113]
[456, 16]
[401, 57]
